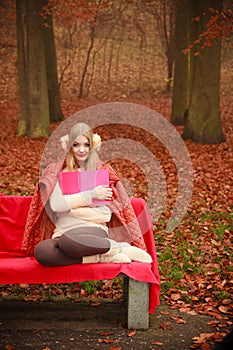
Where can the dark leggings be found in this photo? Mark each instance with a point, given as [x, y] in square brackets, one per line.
[72, 246]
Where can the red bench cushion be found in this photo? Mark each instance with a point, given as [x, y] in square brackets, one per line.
[15, 268]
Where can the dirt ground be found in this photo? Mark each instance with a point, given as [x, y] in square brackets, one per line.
[88, 325]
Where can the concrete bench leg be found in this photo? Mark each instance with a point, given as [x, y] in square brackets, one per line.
[138, 304]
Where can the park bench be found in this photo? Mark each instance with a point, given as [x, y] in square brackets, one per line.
[142, 279]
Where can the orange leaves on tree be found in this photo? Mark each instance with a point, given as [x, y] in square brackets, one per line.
[67, 12]
[196, 19]
[220, 25]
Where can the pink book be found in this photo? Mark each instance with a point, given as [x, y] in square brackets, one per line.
[80, 181]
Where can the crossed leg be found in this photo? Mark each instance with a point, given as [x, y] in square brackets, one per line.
[72, 246]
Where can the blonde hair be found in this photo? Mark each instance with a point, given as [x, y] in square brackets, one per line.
[81, 129]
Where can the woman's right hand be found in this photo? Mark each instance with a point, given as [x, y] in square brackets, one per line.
[102, 192]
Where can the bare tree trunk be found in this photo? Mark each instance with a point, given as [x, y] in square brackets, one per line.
[110, 64]
[202, 122]
[32, 82]
[93, 26]
[180, 97]
[87, 62]
[170, 47]
[91, 75]
[69, 52]
[163, 12]
[51, 66]
[118, 54]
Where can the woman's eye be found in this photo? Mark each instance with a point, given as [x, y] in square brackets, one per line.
[78, 145]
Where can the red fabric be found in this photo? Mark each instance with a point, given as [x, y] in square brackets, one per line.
[16, 268]
[13, 215]
[122, 227]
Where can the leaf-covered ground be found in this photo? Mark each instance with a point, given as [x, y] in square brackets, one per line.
[195, 259]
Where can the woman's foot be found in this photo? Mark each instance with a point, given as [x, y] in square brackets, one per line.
[120, 258]
[136, 254]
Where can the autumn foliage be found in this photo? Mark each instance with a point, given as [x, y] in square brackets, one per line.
[195, 260]
[219, 26]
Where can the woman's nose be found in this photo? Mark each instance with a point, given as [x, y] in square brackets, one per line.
[81, 149]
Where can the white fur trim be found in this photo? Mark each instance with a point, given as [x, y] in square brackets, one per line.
[97, 142]
[64, 142]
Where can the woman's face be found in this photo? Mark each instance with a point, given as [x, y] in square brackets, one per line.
[81, 149]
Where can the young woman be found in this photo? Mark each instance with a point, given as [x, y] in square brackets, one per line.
[64, 229]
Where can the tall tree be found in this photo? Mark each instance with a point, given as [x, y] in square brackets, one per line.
[163, 12]
[35, 72]
[182, 66]
[202, 121]
[55, 112]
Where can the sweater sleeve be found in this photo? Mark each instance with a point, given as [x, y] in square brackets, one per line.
[61, 203]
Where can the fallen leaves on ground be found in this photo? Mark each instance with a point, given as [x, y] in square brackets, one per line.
[108, 341]
[178, 319]
[200, 248]
[205, 340]
[131, 333]
[166, 325]
[9, 347]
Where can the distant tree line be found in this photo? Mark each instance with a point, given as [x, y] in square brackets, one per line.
[179, 26]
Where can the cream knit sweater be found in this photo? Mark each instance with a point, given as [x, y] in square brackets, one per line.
[75, 210]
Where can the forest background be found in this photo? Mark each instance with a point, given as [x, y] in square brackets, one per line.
[128, 63]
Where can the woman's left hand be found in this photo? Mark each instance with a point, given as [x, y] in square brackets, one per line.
[102, 192]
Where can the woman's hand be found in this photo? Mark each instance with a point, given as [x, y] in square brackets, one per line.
[102, 192]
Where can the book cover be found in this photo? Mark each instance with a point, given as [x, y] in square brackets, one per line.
[80, 181]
